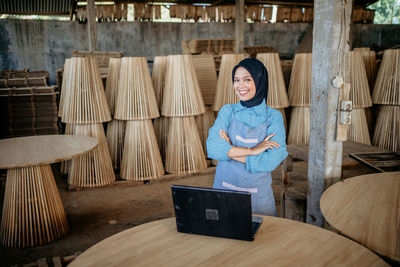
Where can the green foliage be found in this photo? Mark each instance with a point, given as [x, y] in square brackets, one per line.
[386, 11]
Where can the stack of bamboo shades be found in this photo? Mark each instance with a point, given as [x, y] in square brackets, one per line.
[299, 99]
[182, 100]
[387, 94]
[136, 103]
[83, 104]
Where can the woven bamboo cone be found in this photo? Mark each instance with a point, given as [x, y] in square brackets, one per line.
[135, 98]
[206, 74]
[299, 130]
[84, 100]
[182, 96]
[371, 67]
[225, 94]
[114, 67]
[387, 130]
[184, 151]
[300, 81]
[387, 85]
[204, 123]
[66, 75]
[115, 140]
[277, 96]
[359, 90]
[158, 78]
[358, 129]
[141, 159]
[161, 128]
[94, 168]
[64, 165]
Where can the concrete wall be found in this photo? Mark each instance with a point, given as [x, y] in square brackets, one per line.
[39, 45]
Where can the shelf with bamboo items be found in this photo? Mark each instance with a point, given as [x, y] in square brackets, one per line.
[158, 78]
[225, 94]
[141, 158]
[358, 129]
[115, 140]
[371, 68]
[206, 74]
[112, 82]
[300, 81]
[299, 130]
[387, 129]
[161, 128]
[204, 123]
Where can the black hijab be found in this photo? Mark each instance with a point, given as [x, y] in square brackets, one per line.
[259, 74]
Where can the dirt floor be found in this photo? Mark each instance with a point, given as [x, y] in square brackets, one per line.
[95, 214]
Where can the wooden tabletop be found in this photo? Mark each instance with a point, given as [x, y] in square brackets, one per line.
[367, 209]
[42, 149]
[279, 242]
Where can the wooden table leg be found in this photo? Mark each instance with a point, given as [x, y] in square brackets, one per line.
[33, 213]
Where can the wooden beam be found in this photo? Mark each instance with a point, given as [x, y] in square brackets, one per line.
[91, 15]
[239, 26]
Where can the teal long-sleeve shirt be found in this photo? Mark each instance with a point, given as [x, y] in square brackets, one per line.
[217, 148]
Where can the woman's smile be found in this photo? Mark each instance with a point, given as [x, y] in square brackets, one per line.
[244, 85]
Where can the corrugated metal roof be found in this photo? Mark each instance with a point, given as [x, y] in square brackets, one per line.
[47, 7]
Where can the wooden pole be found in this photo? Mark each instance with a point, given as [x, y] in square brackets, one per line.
[239, 26]
[330, 42]
[91, 15]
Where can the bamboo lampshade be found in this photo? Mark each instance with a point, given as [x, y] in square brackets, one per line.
[225, 94]
[161, 128]
[206, 73]
[84, 100]
[158, 78]
[184, 151]
[387, 129]
[369, 57]
[94, 168]
[135, 98]
[300, 81]
[359, 90]
[277, 96]
[115, 140]
[182, 95]
[112, 82]
[141, 158]
[64, 165]
[299, 130]
[204, 123]
[387, 85]
[66, 74]
[358, 129]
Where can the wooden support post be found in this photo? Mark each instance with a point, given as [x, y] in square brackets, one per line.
[91, 15]
[329, 63]
[239, 26]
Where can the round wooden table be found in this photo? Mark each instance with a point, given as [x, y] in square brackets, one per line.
[278, 242]
[367, 209]
[32, 211]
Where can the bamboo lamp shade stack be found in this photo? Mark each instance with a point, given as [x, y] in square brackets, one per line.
[83, 104]
[387, 93]
[158, 77]
[371, 68]
[64, 165]
[115, 140]
[181, 102]
[112, 82]
[136, 104]
[204, 123]
[206, 73]
[161, 128]
[299, 99]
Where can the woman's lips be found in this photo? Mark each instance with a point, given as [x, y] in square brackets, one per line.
[243, 92]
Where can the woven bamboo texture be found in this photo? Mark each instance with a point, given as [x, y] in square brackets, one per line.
[184, 151]
[204, 123]
[299, 130]
[358, 129]
[114, 67]
[300, 81]
[66, 74]
[387, 130]
[84, 98]
[277, 96]
[64, 165]
[141, 158]
[158, 78]
[206, 73]
[225, 94]
[33, 213]
[115, 140]
[161, 128]
[359, 90]
[135, 98]
[387, 85]
[371, 67]
[94, 168]
[182, 95]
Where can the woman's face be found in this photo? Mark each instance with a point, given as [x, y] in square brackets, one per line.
[243, 83]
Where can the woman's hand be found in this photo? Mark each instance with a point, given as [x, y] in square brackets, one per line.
[264, 145]
[224, 136]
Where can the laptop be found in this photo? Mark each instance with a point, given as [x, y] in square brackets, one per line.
[214, 212]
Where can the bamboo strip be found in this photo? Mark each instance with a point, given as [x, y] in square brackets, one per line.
[299, 130]
[204, 123]
[371, 114]
[277, 96]
[300, 81]
[182, 96]
[141, 158]
[33, 213]
[358, 129]
[66, 74]
[206, 74]
[359, 90]
[371, 67]
[387, 85]
[115, 141]
[184, 151]
[135, 98]
[64, 165]
[112, 82]
[94, 168]
[161, 128]
[158, 78]
[387, 130]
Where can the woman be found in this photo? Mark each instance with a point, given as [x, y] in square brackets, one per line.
[248, 138]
